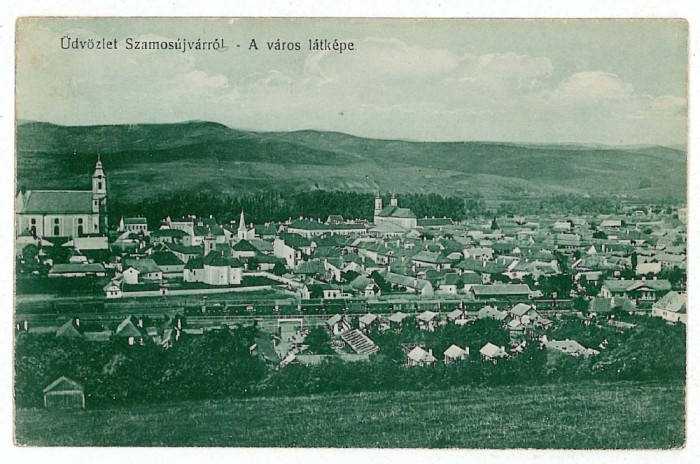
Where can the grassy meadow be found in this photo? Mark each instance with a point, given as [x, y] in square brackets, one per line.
[620, 415]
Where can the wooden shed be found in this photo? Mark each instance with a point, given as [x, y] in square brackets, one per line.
[64, 393]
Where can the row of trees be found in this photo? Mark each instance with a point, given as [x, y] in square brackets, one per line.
[565, 204]
[275, 207]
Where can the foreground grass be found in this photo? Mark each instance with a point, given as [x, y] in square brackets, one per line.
[590, 415]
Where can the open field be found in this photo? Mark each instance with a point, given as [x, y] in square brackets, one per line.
[588, 415]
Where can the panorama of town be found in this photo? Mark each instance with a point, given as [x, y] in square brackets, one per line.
[426, 291]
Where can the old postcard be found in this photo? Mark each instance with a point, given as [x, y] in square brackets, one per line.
[351, 233]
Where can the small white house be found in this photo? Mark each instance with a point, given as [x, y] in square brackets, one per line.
[455, 354]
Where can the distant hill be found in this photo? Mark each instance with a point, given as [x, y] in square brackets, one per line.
[145, 159]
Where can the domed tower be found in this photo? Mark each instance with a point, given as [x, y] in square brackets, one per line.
[394, 201]
[377, 204]
[99, 195]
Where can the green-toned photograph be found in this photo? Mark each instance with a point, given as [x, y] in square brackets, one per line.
[350, 233]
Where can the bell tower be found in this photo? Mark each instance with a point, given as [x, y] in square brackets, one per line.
[377, 205]
[242, 230]
[99, 181]
[99, 194]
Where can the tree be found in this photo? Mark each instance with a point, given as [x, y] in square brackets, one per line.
[634, 259]
[30, 253]
[279, 269]
[315, 292]
[383, 285]
[494, 224]
[318, 340]
[561, 284]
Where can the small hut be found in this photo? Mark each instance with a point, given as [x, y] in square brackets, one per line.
[64, 393]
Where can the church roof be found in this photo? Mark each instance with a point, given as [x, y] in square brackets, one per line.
[244, 245]
[57, 202]
[396, 212]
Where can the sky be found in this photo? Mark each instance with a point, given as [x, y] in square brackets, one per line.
[614, 82]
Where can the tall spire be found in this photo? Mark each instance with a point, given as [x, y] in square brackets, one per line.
[241, 227]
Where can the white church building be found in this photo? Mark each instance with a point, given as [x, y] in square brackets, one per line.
[64, 213]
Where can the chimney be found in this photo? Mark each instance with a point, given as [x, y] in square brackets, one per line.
[77, 322]
[140, 323]
[26, 325]
[430, 351]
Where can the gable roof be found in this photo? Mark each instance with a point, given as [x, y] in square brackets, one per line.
[69, 329]
[435, 222]
[455, 313]
[244, 245]
[63, 383]
[397, 317]
[426, 316]
[361, 282]
[396, 212]
[492, 351]
[418, 354]
[127, 328]
[169, 233]
[520, 309]
[195, 263]
[619, 286]
[166, 258]
[368, 318]
[144, 265]
[453, 279]
[501, 289]
[310, 267]
[388, 228]
[672, 301]
[430, 257]
[57, 202]
[454, 351]
[135, 220]
[336, 318]
[295, 240]
[405, 281]
[70, 268]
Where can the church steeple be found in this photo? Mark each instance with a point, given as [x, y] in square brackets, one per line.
[99, 181]
[377, 204]
[241, 227]
[394, 201]
[99, 195]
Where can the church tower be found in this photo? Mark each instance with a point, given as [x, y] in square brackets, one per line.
[242, 228]
[394, 201]
[209, 243]
[99, 195]
[377, 204]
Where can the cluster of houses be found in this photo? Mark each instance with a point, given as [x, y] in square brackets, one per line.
[522, 322]
[131, 331]
[340, 259]
[498, 259]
